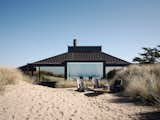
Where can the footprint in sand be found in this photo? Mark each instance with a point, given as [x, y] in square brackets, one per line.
[120, 111]
[107, 108]
[61, 113]
[72, 115]
[53, 106]
[31, 109]
[39, 103]
[81, 118]
[75, 111]
[13, 117]
[47, 108]
[4, 109]
[95, 118]
[51, 114]
[129, 116]
[37, 111]
[27, 118]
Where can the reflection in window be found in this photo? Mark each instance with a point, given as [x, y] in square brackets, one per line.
[52, 69]
[84, 69]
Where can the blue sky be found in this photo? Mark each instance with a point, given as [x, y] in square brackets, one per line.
[31, 30]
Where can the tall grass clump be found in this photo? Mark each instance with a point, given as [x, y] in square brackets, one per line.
[10, 76]
[73, 83]
[141, 81]
[60, 81]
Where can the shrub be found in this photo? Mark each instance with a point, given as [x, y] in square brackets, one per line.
[141, 81]
[10, 76]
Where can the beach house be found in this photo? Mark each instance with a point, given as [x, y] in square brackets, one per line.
[79, 61]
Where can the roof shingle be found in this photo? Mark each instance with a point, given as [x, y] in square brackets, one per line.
[82, 56]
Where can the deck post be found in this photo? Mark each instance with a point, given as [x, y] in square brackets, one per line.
[39, 73]
[32, 71]
[65, 70]
[104, 70]
[27, 69]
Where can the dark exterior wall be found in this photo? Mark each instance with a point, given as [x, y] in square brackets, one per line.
[104, 70]
[84, 49]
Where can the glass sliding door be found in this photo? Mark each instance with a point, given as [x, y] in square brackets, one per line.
[84, 69]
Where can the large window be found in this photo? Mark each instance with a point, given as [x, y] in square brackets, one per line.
[84, 69]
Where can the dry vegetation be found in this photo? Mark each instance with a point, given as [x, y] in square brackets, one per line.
[73, 83]
[9, 76]
[140, 82]
[61, 82]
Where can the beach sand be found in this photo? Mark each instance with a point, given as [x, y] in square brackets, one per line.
[25, 101]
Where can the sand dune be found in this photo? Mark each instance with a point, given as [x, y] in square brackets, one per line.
[33, 102]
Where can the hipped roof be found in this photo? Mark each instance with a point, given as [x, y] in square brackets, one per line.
[82, 56]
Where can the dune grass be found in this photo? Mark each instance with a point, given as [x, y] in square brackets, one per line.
[9, 76]
[140, 82]
[61, 82]
[73, 83]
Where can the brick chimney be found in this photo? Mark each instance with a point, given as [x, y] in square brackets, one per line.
[74, 42]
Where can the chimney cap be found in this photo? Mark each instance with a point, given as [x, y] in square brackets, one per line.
[75, 42]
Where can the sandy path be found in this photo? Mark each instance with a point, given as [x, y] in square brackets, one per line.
[33, 102]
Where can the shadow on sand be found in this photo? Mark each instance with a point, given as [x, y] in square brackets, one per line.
[149, 116]
[152, 115]
[122, 100]
[48, 84]
[93, 93]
